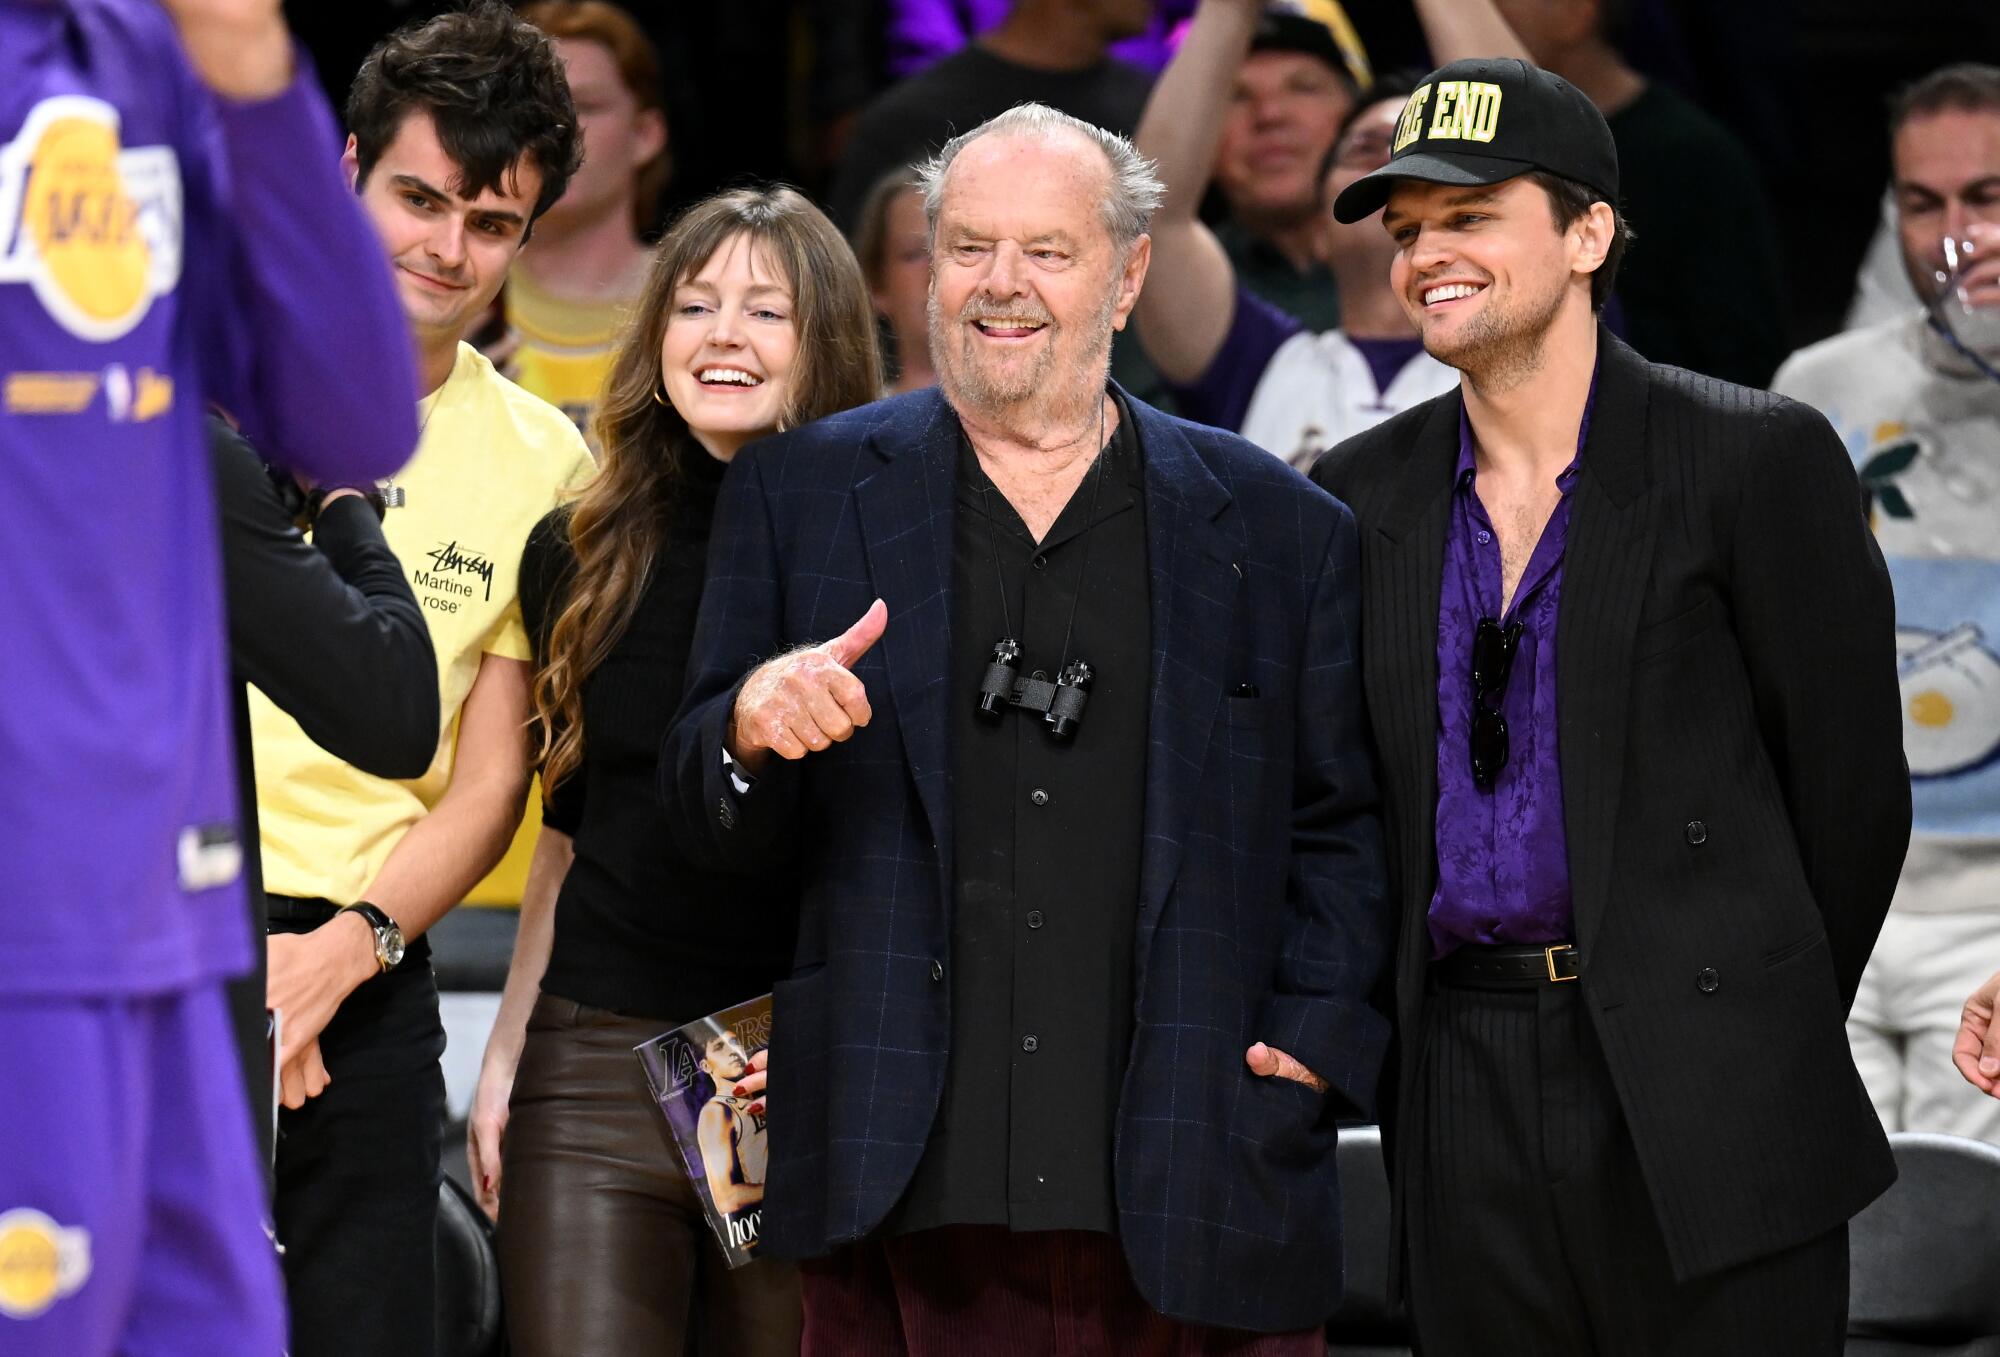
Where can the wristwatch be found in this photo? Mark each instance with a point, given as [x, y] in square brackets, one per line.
[389, 946]
[377, 497]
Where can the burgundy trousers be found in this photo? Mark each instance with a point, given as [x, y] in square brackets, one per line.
[983, 1291]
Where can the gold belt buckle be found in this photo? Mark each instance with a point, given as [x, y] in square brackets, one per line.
[1549, 957]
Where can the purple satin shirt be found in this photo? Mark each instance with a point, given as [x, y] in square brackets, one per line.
[1502, 854]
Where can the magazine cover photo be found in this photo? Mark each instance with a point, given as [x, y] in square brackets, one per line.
[692, 1071]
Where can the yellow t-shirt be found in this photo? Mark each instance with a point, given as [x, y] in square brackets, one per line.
[562, 350]
[492, 460]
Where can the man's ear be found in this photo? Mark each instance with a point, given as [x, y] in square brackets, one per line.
[1590, 238]
[350, 163]
[1133, 278]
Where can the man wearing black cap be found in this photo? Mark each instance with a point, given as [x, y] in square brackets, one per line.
[1631, 669]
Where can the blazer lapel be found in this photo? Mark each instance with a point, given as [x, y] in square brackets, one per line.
[906, 515]
[1606, 564]
[1195, 553]
[1399, 648]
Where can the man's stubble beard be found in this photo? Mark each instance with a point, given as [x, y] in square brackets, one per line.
[1056, 390]
[1501, 348]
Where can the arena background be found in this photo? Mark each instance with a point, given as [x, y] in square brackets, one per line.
[766, 88]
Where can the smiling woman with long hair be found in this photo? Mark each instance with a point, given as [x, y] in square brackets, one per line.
[754, 319]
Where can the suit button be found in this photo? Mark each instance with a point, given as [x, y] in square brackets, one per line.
[1034, 918]
[1029, 1044]
[937, 970]
[1041, 561]
[1039, 797]
[724, 813]
[1697, 833]
[1708, 982]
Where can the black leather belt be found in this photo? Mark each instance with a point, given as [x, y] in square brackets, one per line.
[1477, 967]
[291, 909]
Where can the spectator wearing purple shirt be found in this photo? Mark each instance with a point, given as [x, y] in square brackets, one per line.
[177, 233]
[1631, 668]
[920, 32]
[1231, 358]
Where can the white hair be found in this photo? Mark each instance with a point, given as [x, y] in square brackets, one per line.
[1136, 189]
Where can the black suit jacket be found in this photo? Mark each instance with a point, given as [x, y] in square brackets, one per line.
[1734, 790]
[1263, 910]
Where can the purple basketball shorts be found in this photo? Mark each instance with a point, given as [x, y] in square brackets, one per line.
[131, 1203]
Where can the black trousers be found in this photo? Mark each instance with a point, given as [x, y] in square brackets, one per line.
[358, 1174]
[1530, 1231]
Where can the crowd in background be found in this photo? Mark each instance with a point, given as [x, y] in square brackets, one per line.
[1265, 316]
[773, 89]
[688, 228]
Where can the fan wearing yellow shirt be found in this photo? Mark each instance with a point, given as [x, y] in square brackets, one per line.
[463, 134]
[566, 298]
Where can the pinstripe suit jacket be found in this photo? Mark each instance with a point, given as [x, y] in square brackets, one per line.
[1263, 912]
[1734, 791]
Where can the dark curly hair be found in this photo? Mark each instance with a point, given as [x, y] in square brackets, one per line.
[493, 85]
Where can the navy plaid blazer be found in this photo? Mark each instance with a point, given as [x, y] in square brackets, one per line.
[1264, 912]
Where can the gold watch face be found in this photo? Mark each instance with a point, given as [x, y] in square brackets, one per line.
[389, 947]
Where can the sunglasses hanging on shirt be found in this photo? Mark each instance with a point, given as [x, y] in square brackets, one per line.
[1493, 648]
[1060, 703]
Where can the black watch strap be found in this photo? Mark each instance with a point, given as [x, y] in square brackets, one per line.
[385, 929]
[374, 914]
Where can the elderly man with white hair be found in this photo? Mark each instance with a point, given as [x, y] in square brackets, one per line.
[1094, 891]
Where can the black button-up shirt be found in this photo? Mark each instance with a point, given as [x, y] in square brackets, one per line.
[1047, 836]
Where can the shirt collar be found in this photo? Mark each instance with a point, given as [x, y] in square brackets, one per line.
[1461, 476]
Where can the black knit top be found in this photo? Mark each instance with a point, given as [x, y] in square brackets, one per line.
[639, 930]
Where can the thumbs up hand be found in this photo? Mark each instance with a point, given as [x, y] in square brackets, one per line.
[805, 700]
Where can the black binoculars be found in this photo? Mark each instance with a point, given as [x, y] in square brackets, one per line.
[1061, 703]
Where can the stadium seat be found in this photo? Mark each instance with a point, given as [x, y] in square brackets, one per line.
[468, 1278]
[1925, 1257]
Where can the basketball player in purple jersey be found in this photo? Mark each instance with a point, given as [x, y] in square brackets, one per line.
[173, 231]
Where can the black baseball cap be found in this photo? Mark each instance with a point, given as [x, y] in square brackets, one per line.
[1485, 120]
[1280, 30]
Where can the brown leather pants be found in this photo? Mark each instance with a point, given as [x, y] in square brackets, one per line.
[604, 1251]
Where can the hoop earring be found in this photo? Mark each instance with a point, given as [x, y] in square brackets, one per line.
[658, 399]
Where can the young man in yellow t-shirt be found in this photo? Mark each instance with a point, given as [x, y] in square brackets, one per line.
[463, 133]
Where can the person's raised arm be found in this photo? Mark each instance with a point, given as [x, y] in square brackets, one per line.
[301, 335]
[241, 49]
[1184, 316]
[1459, 29]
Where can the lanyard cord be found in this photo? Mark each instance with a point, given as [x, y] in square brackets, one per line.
[993, 541]
[1958, 345]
